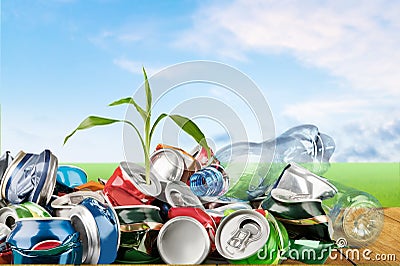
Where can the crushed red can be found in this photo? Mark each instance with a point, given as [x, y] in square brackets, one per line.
[127, 186]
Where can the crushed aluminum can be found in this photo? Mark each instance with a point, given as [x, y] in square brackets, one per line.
[9, 215]
[139, 226]
[173, 164]
[178, 194]
[5, 161]
[251, 237]
[63, 205]
[98, 226]
[183, 240]
[45, 240]
[69, 177]
[127, 186]
[200, 154]
[296, 201]
[201, 216]
[30, 177]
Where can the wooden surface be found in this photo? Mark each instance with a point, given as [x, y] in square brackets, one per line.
[385, 251]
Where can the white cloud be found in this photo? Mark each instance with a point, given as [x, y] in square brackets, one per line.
[354, 40]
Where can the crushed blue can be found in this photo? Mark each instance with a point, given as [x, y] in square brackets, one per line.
[69, 177]
[30, 177]
[45, 240]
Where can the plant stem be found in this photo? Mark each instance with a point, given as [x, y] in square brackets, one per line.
[147, 151]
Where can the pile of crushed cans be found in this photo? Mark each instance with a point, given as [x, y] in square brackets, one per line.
[52, 214]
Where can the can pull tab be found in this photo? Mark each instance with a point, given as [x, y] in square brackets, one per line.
[247, 232]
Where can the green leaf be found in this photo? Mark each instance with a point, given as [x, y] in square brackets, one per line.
[159, 118]
[149, 97]
[192, 129]
[130, 100]
[93, 121]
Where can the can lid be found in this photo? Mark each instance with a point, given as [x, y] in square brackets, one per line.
[136, 175]
[178, 194]
[173, 236]
[241, 234]
[168, 164]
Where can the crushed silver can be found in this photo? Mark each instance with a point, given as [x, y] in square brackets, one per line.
[30, 177]
[5, 162]
[178, 194]
[183, 240]
[63, 205]
[173, 164]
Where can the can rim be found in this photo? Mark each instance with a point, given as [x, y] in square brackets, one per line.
[63, 201]
[198, 224]
[143, 188]
[181, 169]
[180, 187]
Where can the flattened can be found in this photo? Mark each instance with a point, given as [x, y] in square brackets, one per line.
[98, 226]
[251, 237]
[127, 186]
[30, 177]
[9, 215]
[183, 240]
[62, 205]
[178, 194]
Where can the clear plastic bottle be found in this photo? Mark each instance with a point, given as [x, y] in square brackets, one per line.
[251, 168]
[356, 216]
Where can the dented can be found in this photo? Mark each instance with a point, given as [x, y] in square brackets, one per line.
[98, 226]
[63, 205]
[251, 237]
[127, 186]
[173, 164]
[45, 240]
[9, 215]
[178, 194]
[139, 228]
[30, 177]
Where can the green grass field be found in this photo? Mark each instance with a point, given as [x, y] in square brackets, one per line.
[379, 179]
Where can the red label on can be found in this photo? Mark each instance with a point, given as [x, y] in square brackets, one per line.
[47, 244]
[121, 191]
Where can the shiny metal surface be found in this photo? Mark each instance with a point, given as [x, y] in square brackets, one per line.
[168, 164]
[178, 194]
[83, 222]
[242, 234]
[183, 240]
[64, 204]
[299, 184]
[136, 175]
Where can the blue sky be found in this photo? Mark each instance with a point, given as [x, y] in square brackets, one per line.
[335, 64]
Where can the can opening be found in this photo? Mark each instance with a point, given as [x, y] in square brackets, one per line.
[10, 222]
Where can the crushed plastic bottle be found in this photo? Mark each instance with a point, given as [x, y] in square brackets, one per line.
[357, 217]
[252, 168]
